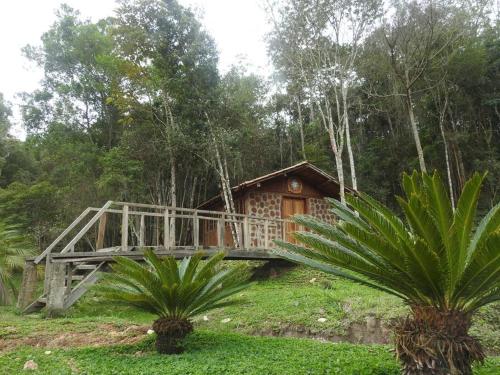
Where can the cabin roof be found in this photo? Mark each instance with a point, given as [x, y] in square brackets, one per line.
[305, 170]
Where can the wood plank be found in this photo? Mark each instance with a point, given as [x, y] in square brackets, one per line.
[124, 228]
[142, 230]
[196, 231]
[101, 232]
[253, 254]
[39, 258]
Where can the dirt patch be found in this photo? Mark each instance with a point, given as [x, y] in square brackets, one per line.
[104, 334]
[373, 331]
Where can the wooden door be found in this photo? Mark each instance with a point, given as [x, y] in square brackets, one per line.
[292, 206]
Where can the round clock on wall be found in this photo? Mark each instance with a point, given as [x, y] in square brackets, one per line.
[294, 185]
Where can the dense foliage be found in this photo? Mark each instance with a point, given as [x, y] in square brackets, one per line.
[133, 107]
[13, 249]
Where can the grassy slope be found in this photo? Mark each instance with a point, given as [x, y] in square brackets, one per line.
[290, 300]
[219, 353]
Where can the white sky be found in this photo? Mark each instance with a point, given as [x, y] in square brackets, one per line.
[238, 27]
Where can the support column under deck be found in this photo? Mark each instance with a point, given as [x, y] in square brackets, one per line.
[56, 290]
[28, 285]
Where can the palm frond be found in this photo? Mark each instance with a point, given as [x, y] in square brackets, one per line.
[432, 257]
[169, 289]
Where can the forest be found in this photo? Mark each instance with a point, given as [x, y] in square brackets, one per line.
[134, 107]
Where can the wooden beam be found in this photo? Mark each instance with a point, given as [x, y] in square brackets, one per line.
[266, 234]
[93, 257]
[101, 232]
[196, 231]
[221, 233]
[142, 231]
[246, 233]
[57, 289]
[166, 230]
[125, 228]
[28, 285]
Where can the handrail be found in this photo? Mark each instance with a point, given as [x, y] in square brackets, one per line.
[180, 212]
[181, 216]
[40, 257]
[86, 227]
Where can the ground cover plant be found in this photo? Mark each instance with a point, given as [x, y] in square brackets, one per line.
[433, 260]
[14, 247]
[174, 292]
[101, 336]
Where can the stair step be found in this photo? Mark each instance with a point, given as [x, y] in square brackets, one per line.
[86, 267]
[36, 305]
[76, 277]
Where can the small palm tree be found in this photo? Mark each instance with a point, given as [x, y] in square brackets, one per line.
[175, 292]
[433, 259]
[14, 247]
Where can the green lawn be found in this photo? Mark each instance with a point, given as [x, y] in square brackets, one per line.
[218, 353]
[99, 337]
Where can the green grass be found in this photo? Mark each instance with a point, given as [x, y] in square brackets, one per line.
[218, 353]
[288, 302]
[291, 302]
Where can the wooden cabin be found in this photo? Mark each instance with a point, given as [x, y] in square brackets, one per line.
[299, 189]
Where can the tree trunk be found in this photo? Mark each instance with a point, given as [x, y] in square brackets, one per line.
[414, 125]
[416, 136]
[301, 130]
[348, 139]
[434, 342]
[170, 333]
[173, 198]
[446, 152]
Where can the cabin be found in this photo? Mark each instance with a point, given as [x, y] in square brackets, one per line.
[299, 189]
[263, 208]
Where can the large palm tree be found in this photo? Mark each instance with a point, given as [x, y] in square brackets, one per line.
[438, 261]
[174, 291]
[14, 248]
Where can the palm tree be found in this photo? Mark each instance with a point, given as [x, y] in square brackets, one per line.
[174, 292]
[14, 247]
[432, 258]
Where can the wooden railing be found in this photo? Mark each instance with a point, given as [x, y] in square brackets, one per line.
[122, 226]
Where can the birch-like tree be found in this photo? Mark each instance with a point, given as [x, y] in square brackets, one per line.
[317, 44]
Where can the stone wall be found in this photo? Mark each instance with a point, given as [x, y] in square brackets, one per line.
[319, 208]
[268, 205]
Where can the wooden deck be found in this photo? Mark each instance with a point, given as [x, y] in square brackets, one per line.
[74, 261]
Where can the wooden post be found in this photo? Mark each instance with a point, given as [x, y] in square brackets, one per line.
[266, 234]
[101, 231]
[246, 233]
[125, 228]
[196, 231]
[69, 280]
[221, 231]
[166, 230]
[46, 275]
[28, 286]
[142, 230]
[57, 289]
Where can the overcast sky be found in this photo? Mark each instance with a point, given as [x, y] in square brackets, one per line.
[238, 27]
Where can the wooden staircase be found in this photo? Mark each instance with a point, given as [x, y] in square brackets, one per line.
[76, 258]
[78, 278]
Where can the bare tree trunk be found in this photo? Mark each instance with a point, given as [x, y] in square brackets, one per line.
[301, 130]
[348, 138]
[173, 197]
[227, 195]
[414, 128]
[446, 152]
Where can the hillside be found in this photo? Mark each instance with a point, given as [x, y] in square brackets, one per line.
[99, 337]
